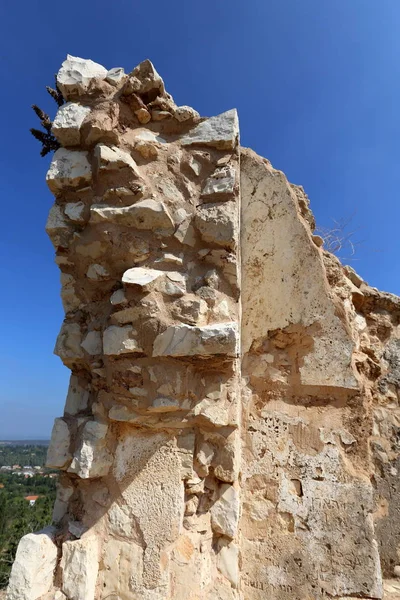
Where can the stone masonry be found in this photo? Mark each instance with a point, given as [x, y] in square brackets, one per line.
[231, 429]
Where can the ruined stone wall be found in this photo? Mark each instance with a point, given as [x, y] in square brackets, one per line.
[230, 428]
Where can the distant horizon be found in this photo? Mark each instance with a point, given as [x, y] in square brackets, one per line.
[23, 439]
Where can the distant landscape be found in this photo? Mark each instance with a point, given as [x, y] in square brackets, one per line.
[24, 442]
[27, 494]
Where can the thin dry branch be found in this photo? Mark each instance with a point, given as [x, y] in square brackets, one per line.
[339, 240]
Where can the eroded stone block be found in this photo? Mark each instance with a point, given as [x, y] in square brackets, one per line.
[69, 168]
[68, 122]
[120, 340]
[34, 565]
[221, 132]
[76, 75]
[92, 459]
[185, 340]
[58, 454]
[79, 567]
[145, 214]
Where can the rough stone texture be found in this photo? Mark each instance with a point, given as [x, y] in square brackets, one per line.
[67, 123]
[92, 458]
[58, 455]
[184, 340]
[79, 566]
[221, 132]
[146, 214]
[77, 74]
[69, 168]
[33, 569]
[231, 425]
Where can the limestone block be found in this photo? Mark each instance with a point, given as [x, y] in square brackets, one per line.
[215, 412]
[194, 165]
[33, 568]
[120, 521]
[142, 277]
[146, 214]
[69, 168]
[123, 413]
[226, 461]
[147, 469]
[68, 296]
[339, 517]
[60, 509]
[77, 397]
[204, 458]
[92, 343]
[185, 340]
[144, 79]
[217, 223]
[186, 445]
[228, 562]
[76, 528]
[225, 512]
[118, 297]
[290, 267]
[221, 132]
[79, 566]
[353, 276]
[185, 232]
[145, 135]
[221, 182]
[76, 75]
[68, 344]
[57, 228]
[120, 340]
[174, 284]
[97, 272]
[112, 157]
[92, 458]
[169, 257]
[75, 211]
[67, 123]
[160, 115]
[120, 560]
[185, 113]
[115, 76]
[190, 310]
[146, 142]
[58, 454]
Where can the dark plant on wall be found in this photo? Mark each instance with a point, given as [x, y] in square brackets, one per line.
[45, 137]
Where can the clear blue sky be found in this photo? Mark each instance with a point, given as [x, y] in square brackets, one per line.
[317, 87]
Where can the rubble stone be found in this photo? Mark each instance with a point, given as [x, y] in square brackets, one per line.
[225, 512]
[146, 214]
[119, 340]
[185, 340]
[58, 454]
[221, 132]
[76, 75]
[79, 566]
[67, 123]
[34, 565]
[92, 458]
[69, 168]
[77, 397]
